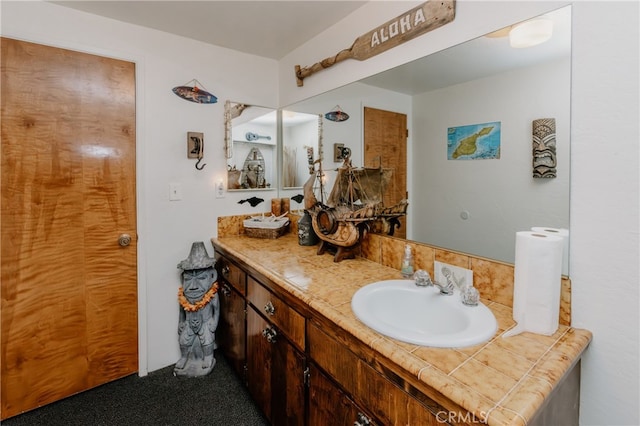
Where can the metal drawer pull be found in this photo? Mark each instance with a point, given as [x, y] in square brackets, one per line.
[269, 308]
[362, 420]
[270, 334]
[226, 290]
[225, 271]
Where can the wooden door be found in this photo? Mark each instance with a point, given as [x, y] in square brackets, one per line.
[69, 290]
[385, 144]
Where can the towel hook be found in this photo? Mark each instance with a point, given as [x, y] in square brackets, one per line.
[198, 162]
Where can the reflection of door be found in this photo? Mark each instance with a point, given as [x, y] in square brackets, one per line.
[385, 143]
[69, 290]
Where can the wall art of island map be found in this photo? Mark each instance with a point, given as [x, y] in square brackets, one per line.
[474, 141]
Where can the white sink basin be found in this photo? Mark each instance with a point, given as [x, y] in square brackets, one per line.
[421, 315]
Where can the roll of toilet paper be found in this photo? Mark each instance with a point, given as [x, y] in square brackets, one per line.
[561, 232]
[536, 283]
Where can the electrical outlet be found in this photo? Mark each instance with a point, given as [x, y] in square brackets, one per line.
[461, 277]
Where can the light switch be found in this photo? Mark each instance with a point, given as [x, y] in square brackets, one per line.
[220, 189]
[175, 192]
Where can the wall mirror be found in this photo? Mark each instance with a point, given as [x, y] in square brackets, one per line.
[250, 146]
[300, 135]
[470, 205]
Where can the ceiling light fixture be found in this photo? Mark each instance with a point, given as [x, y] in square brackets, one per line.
[530, 33]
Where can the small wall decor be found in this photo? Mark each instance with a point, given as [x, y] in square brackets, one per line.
[474, 141]
[192, 91]
[253, 201]
[253, 170]
[417, 21]
[251, 136]
[195, 147]
[544, 148]
[340, 152]
[233, 177]
[337, 114]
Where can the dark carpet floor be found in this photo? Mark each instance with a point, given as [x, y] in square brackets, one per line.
[160, 398]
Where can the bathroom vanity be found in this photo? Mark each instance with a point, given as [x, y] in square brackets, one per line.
[288, 330]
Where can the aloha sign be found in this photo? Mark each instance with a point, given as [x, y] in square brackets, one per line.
[401, 25]
[415, 22]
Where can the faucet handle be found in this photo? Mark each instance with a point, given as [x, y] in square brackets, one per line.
[470, 296]
[422, 278]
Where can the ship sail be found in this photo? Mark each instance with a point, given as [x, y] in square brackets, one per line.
[354, 207]
[359, 186]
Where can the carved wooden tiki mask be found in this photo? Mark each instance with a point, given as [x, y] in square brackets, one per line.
[544, 148]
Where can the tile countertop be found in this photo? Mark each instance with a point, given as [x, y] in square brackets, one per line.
[503, 381]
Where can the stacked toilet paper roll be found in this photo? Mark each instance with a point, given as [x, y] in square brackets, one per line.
[537, 279]
[564, 234]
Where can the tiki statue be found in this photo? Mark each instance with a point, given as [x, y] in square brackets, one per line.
[199, 313]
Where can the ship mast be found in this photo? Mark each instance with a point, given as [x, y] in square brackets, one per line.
[320, 157]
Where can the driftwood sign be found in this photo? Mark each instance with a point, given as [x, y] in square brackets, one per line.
[417, 21]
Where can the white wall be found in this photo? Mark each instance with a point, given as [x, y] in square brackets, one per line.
[604, 165]
[297, 138]
[500, 195]
[166, 228]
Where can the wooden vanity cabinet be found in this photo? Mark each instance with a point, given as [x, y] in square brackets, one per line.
[275, 356]
[298, 370]
[386, 401]
[231, 331]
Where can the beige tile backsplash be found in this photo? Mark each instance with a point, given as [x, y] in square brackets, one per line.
[493, 279]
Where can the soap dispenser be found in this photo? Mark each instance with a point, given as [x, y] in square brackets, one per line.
[407, 263]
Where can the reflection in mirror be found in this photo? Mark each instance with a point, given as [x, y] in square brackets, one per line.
[299, 147]
[250, 141]
[469, 205]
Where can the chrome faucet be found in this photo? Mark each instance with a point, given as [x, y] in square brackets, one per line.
[422, 279]
[451, 284]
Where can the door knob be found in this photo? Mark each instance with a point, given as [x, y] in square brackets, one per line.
[124, 240]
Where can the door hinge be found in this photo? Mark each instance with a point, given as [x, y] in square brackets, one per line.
[407, 132]
[306, 377]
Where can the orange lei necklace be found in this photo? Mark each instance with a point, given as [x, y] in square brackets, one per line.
[201, 303]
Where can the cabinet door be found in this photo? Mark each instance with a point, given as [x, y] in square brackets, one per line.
[365, 385]
[328, 405]
[275, 372]
[231, 331]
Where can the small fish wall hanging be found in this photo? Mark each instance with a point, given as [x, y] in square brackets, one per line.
[254, 201]
[337, 114]
[193, 91]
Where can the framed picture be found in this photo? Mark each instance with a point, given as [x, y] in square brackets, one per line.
[474, 141]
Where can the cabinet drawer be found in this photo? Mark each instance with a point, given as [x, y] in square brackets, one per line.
[290, 322]
[232, 274]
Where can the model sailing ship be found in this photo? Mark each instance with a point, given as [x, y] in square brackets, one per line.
[354, 207]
